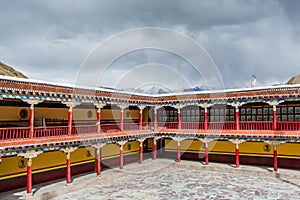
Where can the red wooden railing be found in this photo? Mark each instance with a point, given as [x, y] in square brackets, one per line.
[168, 125]
[130, 126]
[192, 125]
[221, 125]
[14, 133]
[18, 133]
[256, 125]
[288, 126]
[51, 131]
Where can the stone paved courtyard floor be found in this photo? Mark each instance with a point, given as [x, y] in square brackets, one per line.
[166, 179]
[173, 182]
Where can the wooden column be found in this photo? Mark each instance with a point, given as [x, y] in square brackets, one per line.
[31, 121]
[70, 105]
[275, 145]
[99, 106]
[236, 105]
[237, 142]
[155, 147]
[205, 106]
[31, 115]
[29, 156]
[178, 151]
[121, 143]
[141, 149]
[98, 148]
[155, 118]
[275, 158]
[178, 107]
[178, 140]
[141, 116]
[122, 108]
[274, 103]
[68, 151]
[70, 115]
[274, 119]
[237, 119]
[206, 141]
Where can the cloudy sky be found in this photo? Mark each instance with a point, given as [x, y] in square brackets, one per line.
[50, 40]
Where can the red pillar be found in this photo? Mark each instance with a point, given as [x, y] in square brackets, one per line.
[206, 153]
[141, 120]
[154, 149]
[121, 119]
[178, 152]
[98, 162]
[141, 152]
[98, 120]
[155, 118]
[70, 113]
[275, 158]
[237, 120]
[237, 156]
[121, 157]
[29, 176]
[205, 119]
[274, 119]
[31, 121]
[68, 169]
[179, 119]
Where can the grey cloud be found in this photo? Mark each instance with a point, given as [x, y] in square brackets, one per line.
[50, 39]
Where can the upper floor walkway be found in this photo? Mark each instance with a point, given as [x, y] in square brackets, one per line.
[23, 136]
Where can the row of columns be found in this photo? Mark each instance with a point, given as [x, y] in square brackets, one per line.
[236, 142]
[72, 105]
[205, 106]
[68, 150]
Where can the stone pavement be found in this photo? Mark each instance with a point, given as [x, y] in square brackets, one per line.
[166, 179]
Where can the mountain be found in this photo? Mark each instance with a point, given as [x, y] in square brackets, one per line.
[9, 71]
[294, 80]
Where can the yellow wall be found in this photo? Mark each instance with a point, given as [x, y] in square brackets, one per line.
[59, 113]
[290, 150]
[185, 145]
[9, 166]
[12, 113]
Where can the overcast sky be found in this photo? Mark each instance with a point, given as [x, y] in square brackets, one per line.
[49, 40]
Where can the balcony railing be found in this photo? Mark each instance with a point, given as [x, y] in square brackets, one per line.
[256, 125]
[18, 133]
